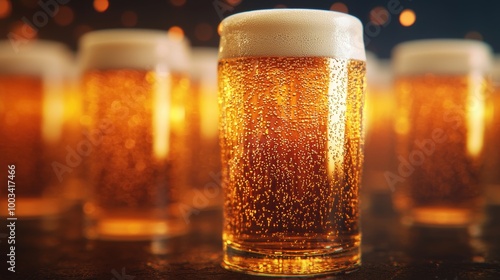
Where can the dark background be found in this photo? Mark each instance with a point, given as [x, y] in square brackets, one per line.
[478, 19]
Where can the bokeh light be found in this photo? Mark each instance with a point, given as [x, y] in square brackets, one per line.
[339, 7]
[233, 2]
[407, 17]
[379, 15]
[219, 29]
[474, 35]
[101, 5]
[5, 8]
[203, 31]
[65, 16]
[176, 33]
[129, 18]
[178, 3]
[23, 31]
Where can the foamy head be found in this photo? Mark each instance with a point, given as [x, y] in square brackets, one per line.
[378, 71]
[133, 49]
[371, 68]
[446, 56]
[37, 57]
[204, 65]
[495, 73]
[292, 32]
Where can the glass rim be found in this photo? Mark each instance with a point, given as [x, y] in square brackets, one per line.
[133, 48]
[441, 56]
[36, 57]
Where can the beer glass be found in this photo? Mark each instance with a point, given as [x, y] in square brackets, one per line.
[440, 127]
[135, 85]
[32, 122]
[290, 94]
[205, 193]
[379, 134]
[491, 175]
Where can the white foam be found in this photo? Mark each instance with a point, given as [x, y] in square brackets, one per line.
[204, 65]
[441, 56]
[378, 72]
[37, 57]
[133, 48]
[292, 32]
[495, 73]
[371, 68]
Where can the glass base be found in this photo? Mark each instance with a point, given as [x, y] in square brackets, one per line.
[291, 263]
[442, 217]
[33, 208]
[134, 229]
[492, 194]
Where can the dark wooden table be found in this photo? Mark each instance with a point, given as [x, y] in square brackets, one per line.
[56, 250]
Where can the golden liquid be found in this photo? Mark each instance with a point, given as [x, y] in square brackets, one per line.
[138, 169]
[24, 143]
[443, 189]
[291, 138]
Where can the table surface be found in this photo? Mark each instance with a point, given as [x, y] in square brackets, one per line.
[56, 250]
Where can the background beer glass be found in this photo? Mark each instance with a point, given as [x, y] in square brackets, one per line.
[32, 127]
[204, 131]
[441, 86]
[135, 85]
[291, 93]
[491, 176]
[379, 152]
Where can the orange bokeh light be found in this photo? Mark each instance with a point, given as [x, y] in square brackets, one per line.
[101, 5]
[339, 7]
[233, 2]
[176, 32]
[407, 17]
[379, 15]
[474, 35]
[5, 8]
[178, 3]
[65, 16]
[23, 30]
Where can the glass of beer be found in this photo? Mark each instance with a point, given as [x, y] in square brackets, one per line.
[291, 90]
[32, 94]
[379, 134]
[204, 180]
[491, 176]
[441, 87]
[135, 86]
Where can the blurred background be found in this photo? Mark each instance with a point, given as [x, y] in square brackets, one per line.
[386, 22]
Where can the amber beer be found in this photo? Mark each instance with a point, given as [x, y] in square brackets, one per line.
[135, 87]
[441, 86]
[32, 127]
[291, 94]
